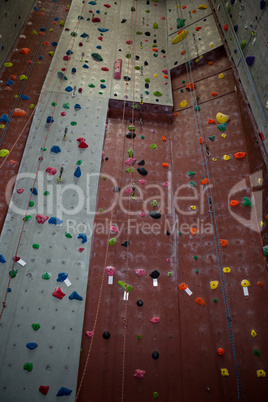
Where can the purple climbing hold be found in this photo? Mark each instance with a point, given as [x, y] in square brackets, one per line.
[250, 60]
[236, 28]
[262, 4]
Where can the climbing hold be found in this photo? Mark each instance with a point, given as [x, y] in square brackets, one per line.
[89, 334]
[226, 157]
[28, 367]
[191, 86]
[226, 26]
[110, 270]
[220, 351]
[224, 372]
[214, 94]
[222, 118]
[193, 231]
[155, 395]
[139, 373]
[35, 245]
[223, 242]
[125, 243]
[247, 202]
[153, 146]
[157, 93]
[4, 152]
[55, 149]
[214, 284]
[155, 355]
[253, 333]
[221, 75]
[180, 23]
[204, 181]
[34, 191]
[96, 57]
[165, 164]
[45, 276]
[202, 7]
[184, 103]
[64, 391]
[193, 207]
[140, 272]
[41, 219]
[180, 36]
[139, 303]
[31, 345]
[155, 214]
[77, 172]
[62, 276]
[200, 301]
[75, 296]
[142, 171]
[125, 287]
[155, 320]
[58, 293]
[55, 221]
[8, 64]
[2, 259]
[256, 352]
[24, 50]
[261, 373]
[190, 173]
[112, 241]
[211, 121]
[44, 389]
[243, 44]
[68, 235]
[226, 270]
[192, 183]
[83, 237]
[240, 155]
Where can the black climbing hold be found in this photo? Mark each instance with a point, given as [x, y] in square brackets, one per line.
[147, 85]
[175, 63]
[119, 50]
[146, 63]
[137, 57]
[139, 303]
[142, 171]
[106, 158]
[167, 233]
[123, 21]
[154, 274]
[154, 214]
[106, 335]
[115, 94]
[130, 135]
[141, 163]
[155, 41]
[163, 51]
[117, 189]
[147, 34]
[157, 100]
[126, 243]
[133, 9]
[155, 355]
[126, 78]
[132, 120]
[127, 104]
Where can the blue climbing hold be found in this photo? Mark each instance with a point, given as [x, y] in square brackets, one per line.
[75, 296]
[2, 259]
[98, 11]
[64, 391]
[9, 290]
[85, 66]
[31, 345]
[68, 89]
[77, 106]
[9, 82]
[43, 29]
[54, 44]
[50, 120]
[236, 28]
[84, 35]
[250, 60]
[103, 29]
[4, 118]
[62, 276]
[34, 191]
[40, 57]
[36, 8]
[69, 52]
[73, 70]
[55, 221]
[56, 19]
[24, 97]
[55, 149]
[93, 3]
[83, 237]
[98, 47]
[102, 86]
[80, 16]
[77, 172]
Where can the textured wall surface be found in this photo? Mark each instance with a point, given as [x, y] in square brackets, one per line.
[247, 22]
[13, 13]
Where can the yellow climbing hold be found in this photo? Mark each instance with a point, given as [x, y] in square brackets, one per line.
[155, 75]
[226, 157]
[224, 372]
[214, 284]
[253, 333]
[211, 44]
[214, 159]
[222, 118]
[51, 53]
[183, 103]
[226, 270]
[261, 223]
[23, 77]
[199, 59]
[51, 30]
[193, 207]
[221, 75]
[4, 152]
[261, 373]
[223, 135]
[245, 283]
[2, 126]
[8, 64]
[180, 37]
[202, 7]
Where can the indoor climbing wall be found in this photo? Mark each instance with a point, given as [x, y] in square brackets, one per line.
[194, 20]
[244, 25]
[13, 16]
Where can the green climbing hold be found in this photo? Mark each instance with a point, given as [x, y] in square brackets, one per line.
[96, 57]
[139, 336]
[212, 138]
[102, 80]
[130, 152]
[216, 300]
[195, 257]
[73, 123]
[124, 286]
[137, 68]
[112, 241]
[13, 273]
[31, 106]
[247, 202]
[180, 23]
[256, 352]
[153, 146]
[66, 106]
[197, 108]
[183, 82]
[36, 327]
[91, 85]
[169, 274]
[46, 192]
[181, 90]
[35, 245]
[100, 93]
[229, 9]
[53, 104]
[155, 395]
[190, 173]
[138, 33]
[73, 34]
[222, 127]
[46, 276]
[28, 367]
[104, 178]
[31, 204]
[154, 203]
[68, 235]
[155, 25]
[243, 44]
[265, 251]
[27, 218]
[146, 92]
[43, 149]
[79, 162]
[101, 210]
[157, 93]
[147, 80]
[192, 183]
[130, 170]
[147, 11]
[142, 137]
[128, 55]
[131, 128]
[197, 271]
[179, 233]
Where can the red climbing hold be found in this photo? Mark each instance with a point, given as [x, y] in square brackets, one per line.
[96, 19]
[205, 181]
[210, 63]
[165, 71]
[81, 44]
[58, 293]
[82, 145]
[66, 58]
[214, 94]
[234, 203]
[51, 171]
[105, 69]
[200, 301]
[183, 53]
[154, 50]
[81, 249]
[191, 86]
[100, 38]
[240, 155]
[41, 219]
[165, 165]
[198, 28]
[24, 50]
[46, 42]
[200, 140]
[80, 90]
[260, 284]
[107, 5]
[211, 121]
[16, 258]
[220, 352]
[226, 27]
[165, 76]
[163, 138]
[129, 42]
[183, 7]
[44, 389]
[81, 139]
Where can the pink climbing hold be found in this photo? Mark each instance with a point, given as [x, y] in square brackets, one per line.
[58, 293]
[128, 190]
[165, 83]
[105, 69]
[81, 44]
[20, 190]
[89, 334]
[155, 320]
[162, 18]
[142, 181]
[81, 249]
[41, 219]
[165, 71]
[51, 171]
[166, 184]
[139, 373]
[113, 229]
[142, 214]
[110, 270]
[129, 42]
[168, 259]
[130, 161]
[140, 272]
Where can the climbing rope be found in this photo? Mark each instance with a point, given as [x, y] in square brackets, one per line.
[38, 166]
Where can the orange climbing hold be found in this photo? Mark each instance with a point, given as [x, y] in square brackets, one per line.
[19, 113]
[240, 155]
[12, 163]
[214, 94]
[198, 28]
[46, 42]
[220, 352]
[182, 286]
[13, 77]
[200, 301]
[210, 63]
[194, 11]
[260, 284]
[24, 50]
[155, 50]
[7, 89]
[234, 203]
[200, 140]
[205, 181]
[183, 7]
[193, 231]
[164, 139]
[42, 33]
[165, 164]
[191, 86]
[211, 121]
[223, 242]
[183, 53]
[176, 114]
[165, 76]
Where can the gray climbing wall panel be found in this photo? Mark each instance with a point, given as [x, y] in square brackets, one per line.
[198, 41]
[55, 360]
[243, 16]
